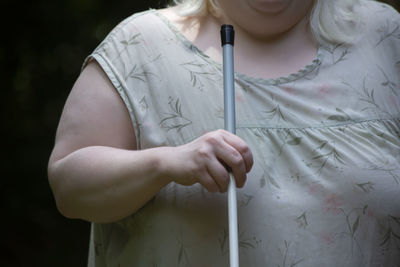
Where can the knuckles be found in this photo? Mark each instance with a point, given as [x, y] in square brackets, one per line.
[237, 159]
[244, 150]
[213, 138]
[241, 160]
[205, 152]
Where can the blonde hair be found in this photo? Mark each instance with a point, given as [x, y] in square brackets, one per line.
[331, 21]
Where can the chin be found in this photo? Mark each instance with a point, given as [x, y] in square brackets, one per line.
[269, 7]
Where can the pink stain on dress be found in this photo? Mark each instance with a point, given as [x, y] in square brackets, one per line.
[393, 101]
[239, 98]
[315, 188]
[370, 213]
[333, 204]
[327, 238]
[324, 90]
[289, 90]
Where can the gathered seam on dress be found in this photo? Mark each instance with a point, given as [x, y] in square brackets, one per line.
[352, 123]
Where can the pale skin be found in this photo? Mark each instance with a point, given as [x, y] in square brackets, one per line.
[95, 170]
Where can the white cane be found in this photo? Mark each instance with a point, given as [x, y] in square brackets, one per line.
[227, 40]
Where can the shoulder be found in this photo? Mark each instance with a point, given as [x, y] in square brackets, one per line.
[152, 26]
[142, 22]
[375, 14]
[136, 37]
[153, 21]
[187, 26]
[380, 25]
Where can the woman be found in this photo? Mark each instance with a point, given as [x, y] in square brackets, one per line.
[138, 151]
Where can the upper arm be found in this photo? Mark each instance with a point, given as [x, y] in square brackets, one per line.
[94, 115]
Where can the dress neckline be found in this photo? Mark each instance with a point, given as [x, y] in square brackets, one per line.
[315, 63]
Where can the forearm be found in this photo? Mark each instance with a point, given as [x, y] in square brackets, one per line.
[104, 184]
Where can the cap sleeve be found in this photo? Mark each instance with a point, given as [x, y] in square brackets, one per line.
[118, 55]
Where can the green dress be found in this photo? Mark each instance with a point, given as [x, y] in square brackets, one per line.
[325, 187]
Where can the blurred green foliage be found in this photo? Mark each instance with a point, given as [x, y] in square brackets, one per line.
[41, 51]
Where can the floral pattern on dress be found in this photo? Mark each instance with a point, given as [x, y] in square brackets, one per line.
[325, 186]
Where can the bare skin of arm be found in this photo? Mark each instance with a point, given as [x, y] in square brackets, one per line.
[97, 174]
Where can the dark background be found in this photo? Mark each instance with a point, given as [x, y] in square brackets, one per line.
[41, 51]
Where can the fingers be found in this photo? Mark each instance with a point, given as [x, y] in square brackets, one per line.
[220, 174]
[234, 160]
[234, 153]
[209, 183]
[209, 159]
[239, 145]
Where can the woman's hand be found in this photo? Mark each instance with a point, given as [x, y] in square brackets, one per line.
[97, 174]
[207, 160]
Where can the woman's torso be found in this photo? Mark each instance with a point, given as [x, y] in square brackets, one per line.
[325, 186]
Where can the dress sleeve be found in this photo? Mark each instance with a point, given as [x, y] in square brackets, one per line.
[118, 55]
[389, 36]
[386, 24]
[383, 36]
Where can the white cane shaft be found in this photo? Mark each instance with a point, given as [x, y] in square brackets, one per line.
[227, 36]
[233, 224]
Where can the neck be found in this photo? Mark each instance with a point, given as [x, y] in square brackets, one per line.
[276, 47]
[267, 57]
[262, 56]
